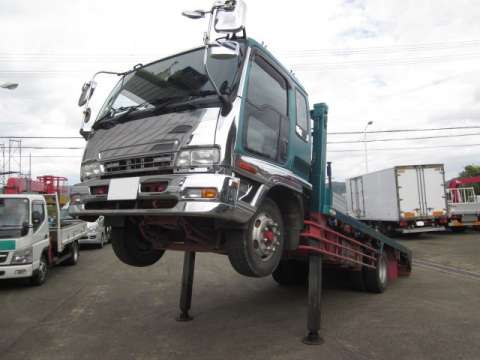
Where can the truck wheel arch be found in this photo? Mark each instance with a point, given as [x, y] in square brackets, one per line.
[291, 206]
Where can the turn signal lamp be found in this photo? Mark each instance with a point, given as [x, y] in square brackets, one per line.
[200, 193]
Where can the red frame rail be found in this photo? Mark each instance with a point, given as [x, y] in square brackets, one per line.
[341, 248]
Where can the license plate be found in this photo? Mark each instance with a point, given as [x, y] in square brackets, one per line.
[123, 189]
[7, 245]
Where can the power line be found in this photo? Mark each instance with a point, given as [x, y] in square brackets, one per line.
[401, 130]
[330, 133]
[52, 156]
[404, 148]
[47, 148]
[433, 46]
[41, 137]
[402, 139]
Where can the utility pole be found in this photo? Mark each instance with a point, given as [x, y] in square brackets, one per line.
[365, 144]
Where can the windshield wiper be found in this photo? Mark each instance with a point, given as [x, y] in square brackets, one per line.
[110, 118]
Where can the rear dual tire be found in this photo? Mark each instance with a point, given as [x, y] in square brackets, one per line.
[376, 280]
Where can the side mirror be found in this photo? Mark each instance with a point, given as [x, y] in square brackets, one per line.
[87, 91]
[231, 18]
[36, 218]
[196, 14]
[25, 228]
[87, 113]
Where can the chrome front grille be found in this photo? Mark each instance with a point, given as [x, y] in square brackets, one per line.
[139, 164]
[3, 257]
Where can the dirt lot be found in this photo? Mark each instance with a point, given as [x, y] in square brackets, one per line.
[102, 309]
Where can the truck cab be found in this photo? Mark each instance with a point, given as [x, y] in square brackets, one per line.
[33, 237]
[173, 164]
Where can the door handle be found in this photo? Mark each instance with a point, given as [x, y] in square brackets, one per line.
[45, 237]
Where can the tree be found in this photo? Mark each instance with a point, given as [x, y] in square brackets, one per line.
[471, 171]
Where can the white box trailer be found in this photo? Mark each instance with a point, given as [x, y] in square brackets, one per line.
[405, 199]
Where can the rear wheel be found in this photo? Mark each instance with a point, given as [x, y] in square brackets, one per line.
[376, 280]
[102, 241]
[74, 254]
[257, 250]
[40, 275]
[130, 247]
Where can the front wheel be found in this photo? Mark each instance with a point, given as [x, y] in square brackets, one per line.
[40, 275]
[130, 247]
[257, 250]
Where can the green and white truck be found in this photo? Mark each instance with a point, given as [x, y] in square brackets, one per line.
[34, 237]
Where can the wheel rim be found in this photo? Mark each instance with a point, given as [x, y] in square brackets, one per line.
[265, 237]
[382, 270]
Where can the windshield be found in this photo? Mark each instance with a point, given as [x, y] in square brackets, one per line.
[13, 214]
[175, 78]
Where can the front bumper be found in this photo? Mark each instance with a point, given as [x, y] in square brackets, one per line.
[170, 202]
[16, 271]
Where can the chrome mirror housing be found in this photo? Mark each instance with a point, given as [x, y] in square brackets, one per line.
[230, 18]
[87, 91]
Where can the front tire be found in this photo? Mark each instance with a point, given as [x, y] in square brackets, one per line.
[130, 247]
[257, 250]
[40, 275]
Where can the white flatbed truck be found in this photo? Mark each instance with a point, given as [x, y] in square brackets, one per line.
[33, 237]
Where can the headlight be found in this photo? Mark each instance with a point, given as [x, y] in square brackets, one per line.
[92, 226]
[198, 157]
[90, 170]
[22, 257]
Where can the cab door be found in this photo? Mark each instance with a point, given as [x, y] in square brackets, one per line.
[40, 229]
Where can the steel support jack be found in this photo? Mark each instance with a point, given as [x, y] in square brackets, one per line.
[187, 285]
[314, 300]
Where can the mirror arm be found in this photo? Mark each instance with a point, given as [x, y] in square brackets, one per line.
[226, 103]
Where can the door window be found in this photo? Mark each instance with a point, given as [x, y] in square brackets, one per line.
[266, 112]
[37, 207]
[302, 116]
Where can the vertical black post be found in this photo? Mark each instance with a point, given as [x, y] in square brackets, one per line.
[314, 300]
[187, 285]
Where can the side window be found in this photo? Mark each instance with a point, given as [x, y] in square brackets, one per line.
[266, 125]
[302, 116]
[38, 207]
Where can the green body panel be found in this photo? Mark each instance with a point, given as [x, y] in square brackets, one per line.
[296, 146]
[7, 245]
[321, 198]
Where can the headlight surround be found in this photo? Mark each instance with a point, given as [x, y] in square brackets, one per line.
[198, 157]
[90, 170]
[22, 257]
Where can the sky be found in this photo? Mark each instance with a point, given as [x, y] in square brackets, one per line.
[400, 64]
